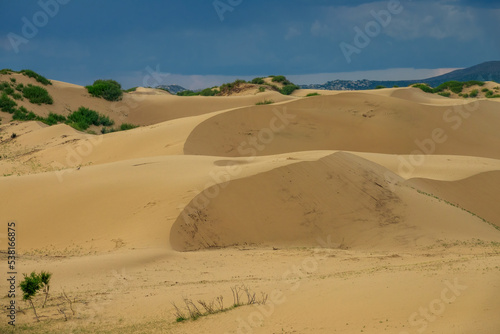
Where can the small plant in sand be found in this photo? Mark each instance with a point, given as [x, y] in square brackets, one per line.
[194, 310]
[264, 102]
[32, 284]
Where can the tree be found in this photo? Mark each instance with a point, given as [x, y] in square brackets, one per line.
[45, 281]
[32, 284]
[30, 287]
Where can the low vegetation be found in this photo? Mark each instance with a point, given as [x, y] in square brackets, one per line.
[32, 284]
[7, 104]
[264, 102]
[457, 87]
[380, 87]
[37, 94]
[109, 90]
[258, 81]
[234, 87]
[230, 87]
[457, 206]
[313, 94]
[194, 310]
[40, 78]
[83, 118]
[206, 92]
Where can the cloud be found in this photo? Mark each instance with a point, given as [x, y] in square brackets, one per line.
[292, 33]
[436, 21]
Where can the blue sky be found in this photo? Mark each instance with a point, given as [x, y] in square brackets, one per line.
[192, 43]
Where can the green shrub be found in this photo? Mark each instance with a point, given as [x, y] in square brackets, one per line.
[7, 104]
[9, 90]
[395, 86]
[107, 89]
[32, 284]
[188, 93]
[262, 89]
[127, 126]
[423, 87]
[209, 92]
[289, 89]
[133, 89]
[4, 85]
[313, 94]
[473, 83]
[264, 102]
[228, 87]
[38, 77]
[22, 114]
[279, 78]
[37, 94]
[16, 96]
[484, 90]
[474, 93]
[6, 71]
[258, 81]
[455, 86]
[83, 118]
[53, 119]
[380, 87]
[13, 79]
[465, 95]
[445, 94]
[490, 95]
[20, 87]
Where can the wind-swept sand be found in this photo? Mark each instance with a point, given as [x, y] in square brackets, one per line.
[354, 212]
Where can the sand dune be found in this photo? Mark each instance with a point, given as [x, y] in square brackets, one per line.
[351, 203]
[478, 193]
[340, 195]
[361, 122]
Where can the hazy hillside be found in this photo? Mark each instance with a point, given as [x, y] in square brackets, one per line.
[488, 71]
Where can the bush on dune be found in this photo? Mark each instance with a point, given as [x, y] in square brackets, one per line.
[107, 89]
[37, 94]
[289, 89]
[32, 74]
[83, 118]
[257, 81]
[7, 104]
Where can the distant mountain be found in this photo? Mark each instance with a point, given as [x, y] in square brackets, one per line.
[489, 71]
[174, 89]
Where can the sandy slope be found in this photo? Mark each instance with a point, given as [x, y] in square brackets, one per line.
[145, 106]
[352, 121]
[321, 202]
